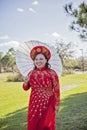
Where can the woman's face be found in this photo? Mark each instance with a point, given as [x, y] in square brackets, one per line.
[40, 60]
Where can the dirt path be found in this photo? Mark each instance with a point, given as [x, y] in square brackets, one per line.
[65, 88]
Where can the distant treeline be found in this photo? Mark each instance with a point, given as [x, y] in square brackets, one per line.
[70, 64]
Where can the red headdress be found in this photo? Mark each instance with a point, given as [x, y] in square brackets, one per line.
[40, 49]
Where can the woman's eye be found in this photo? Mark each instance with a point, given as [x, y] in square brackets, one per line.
[39, 59]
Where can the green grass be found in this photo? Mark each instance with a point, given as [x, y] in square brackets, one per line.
[73, 110]
[73, 79]
[13, 105]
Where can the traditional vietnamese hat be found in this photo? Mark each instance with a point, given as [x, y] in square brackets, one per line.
[40, 49]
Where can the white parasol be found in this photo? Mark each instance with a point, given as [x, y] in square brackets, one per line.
[25, 63]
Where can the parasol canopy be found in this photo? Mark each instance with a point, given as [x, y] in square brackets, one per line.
[25, 63]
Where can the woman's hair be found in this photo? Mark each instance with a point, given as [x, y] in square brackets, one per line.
[47, 65]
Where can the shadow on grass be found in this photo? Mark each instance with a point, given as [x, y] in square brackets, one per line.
[15, 121]
[73, 113]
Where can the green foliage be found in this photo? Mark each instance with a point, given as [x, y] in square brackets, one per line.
[79, 24]
[15, 78]
[12, 52]
[67, 71]
[69, 65]
[1, 56]
[8, 60]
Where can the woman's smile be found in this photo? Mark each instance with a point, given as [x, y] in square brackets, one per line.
[40, 61]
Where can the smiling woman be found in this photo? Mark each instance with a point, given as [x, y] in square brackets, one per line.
[44, 83]
[45, 93]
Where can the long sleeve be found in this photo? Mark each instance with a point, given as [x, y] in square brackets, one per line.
[56, 88]
[26, 87]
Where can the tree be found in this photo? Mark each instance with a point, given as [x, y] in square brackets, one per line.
[79, 23]
[11, 51]
[64, 50]
[8, 60]
[1, 56]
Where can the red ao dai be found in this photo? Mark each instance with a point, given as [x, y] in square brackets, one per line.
[45, 94]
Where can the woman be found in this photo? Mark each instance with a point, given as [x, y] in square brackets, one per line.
[45, 91]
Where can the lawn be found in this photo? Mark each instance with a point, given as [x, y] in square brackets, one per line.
[72, 79]
[73, 110]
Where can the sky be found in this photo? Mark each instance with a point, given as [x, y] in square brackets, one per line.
[43, 20]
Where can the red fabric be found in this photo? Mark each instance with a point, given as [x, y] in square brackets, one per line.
[40, 49]
[45, 94]
[48, 120]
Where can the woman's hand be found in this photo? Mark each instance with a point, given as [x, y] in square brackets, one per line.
[57, 108]
[26, 79]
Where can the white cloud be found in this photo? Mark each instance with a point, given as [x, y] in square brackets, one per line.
[55, 34]
[3, 37]
[32, 10]
[20, 9]
[10, 44]
[35, 3]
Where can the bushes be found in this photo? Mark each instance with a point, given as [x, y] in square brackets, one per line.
[67, 71]
[15, 78]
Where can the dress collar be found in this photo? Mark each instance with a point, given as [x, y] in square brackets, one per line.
[41, 69]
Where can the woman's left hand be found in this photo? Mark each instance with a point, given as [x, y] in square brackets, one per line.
[57, 108]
